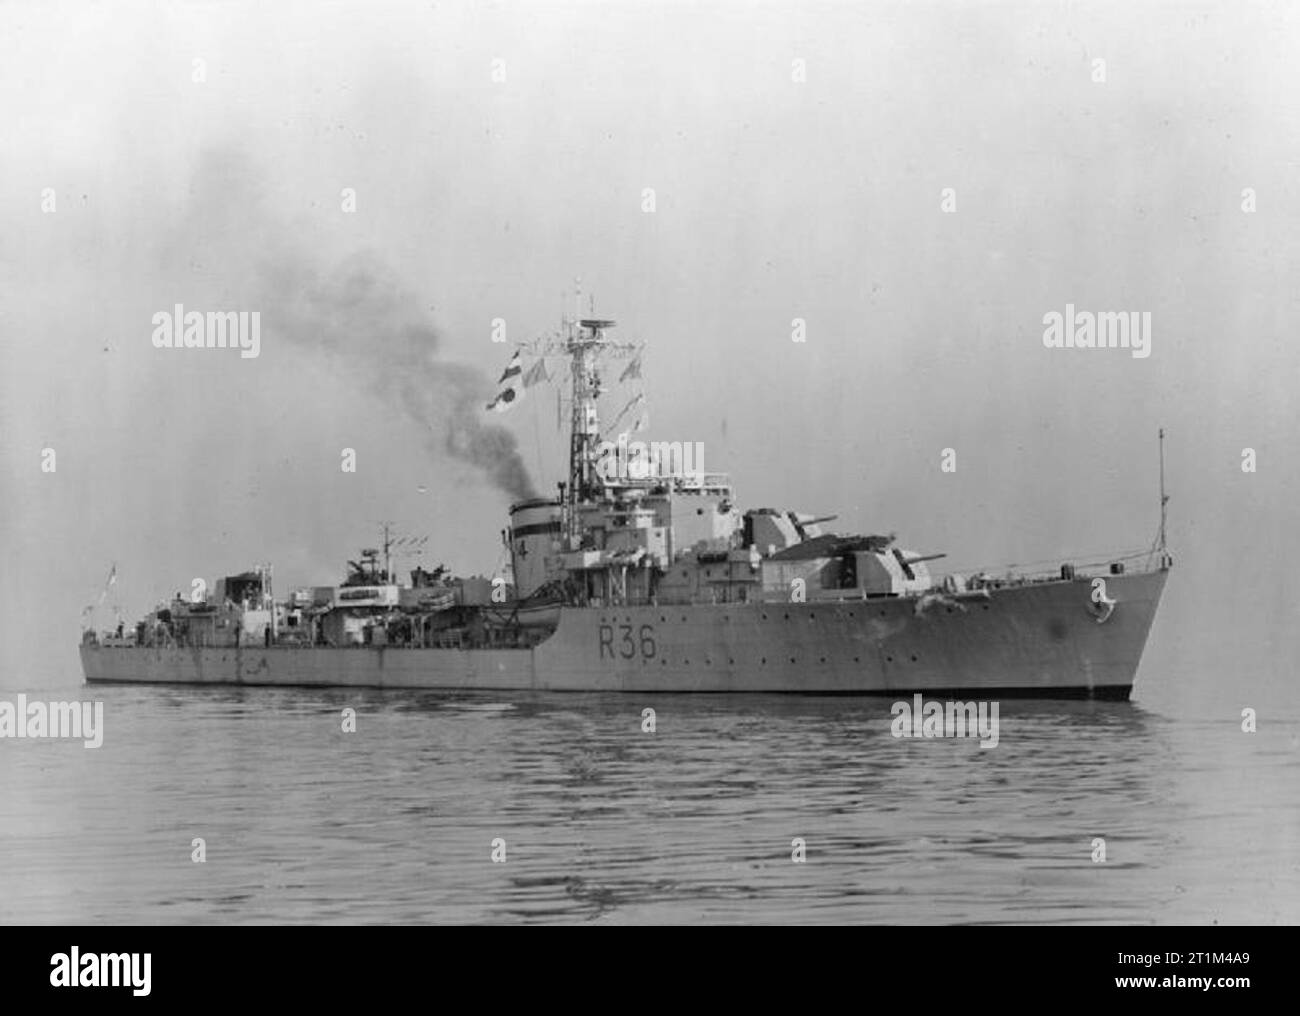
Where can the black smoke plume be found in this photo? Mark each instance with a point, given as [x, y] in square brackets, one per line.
[362, 317]
[356, 312]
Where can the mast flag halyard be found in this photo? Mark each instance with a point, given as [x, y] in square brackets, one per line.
[512, 388]
[584, 343]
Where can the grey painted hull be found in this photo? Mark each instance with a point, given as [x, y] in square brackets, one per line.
[1038, 640]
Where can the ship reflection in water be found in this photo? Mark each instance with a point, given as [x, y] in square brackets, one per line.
[604, 822]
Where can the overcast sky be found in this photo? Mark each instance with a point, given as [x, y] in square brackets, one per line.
[778, 194]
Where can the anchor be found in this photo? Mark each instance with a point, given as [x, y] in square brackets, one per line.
[1102, 606]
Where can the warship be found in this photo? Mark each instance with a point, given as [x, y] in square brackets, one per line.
[643, 576]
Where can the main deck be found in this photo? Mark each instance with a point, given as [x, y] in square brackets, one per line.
[1043, 639]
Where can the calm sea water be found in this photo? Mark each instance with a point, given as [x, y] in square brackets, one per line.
[605, 823]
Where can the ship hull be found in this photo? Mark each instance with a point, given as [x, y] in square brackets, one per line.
[1034, 640]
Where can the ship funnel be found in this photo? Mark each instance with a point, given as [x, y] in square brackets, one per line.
[534, 537]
